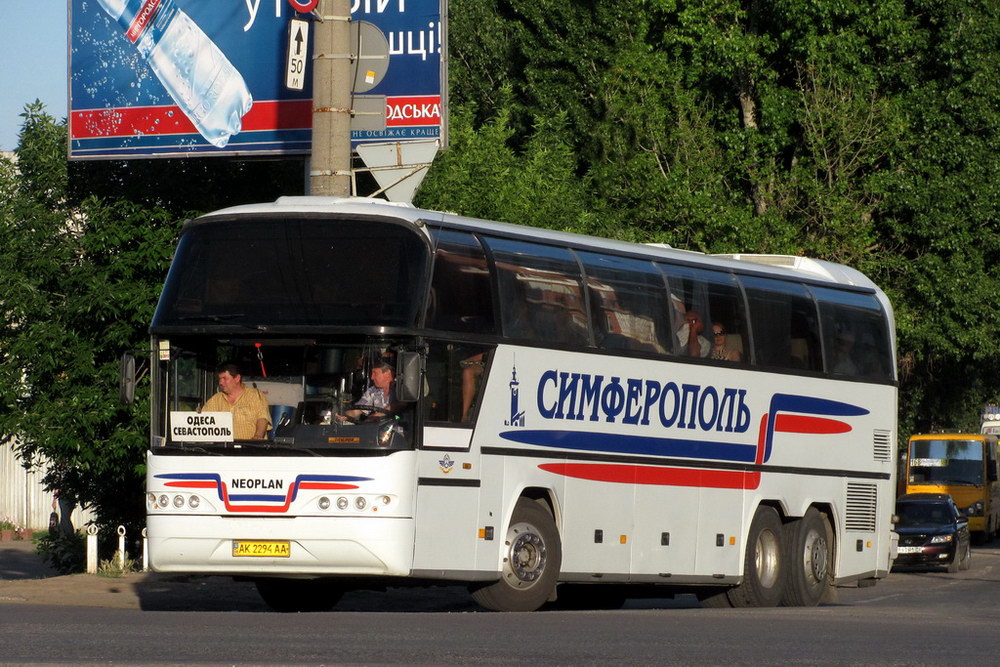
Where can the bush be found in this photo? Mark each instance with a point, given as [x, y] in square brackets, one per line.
[67, 554]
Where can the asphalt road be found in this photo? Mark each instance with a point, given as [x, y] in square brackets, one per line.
[911, 618]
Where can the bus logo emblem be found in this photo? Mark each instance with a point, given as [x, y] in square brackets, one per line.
[516, 416]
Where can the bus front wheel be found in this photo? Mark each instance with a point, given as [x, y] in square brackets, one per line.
[531, 560]
[810, 556]
[763, 564]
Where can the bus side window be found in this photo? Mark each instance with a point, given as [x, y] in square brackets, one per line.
[785, 324]
[715, 296]
[855, 339]
[540, 291]
[456, 375]
[461, 297]
[628, 304]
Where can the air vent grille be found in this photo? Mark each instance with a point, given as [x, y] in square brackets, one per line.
[882, 440]
[862, 502]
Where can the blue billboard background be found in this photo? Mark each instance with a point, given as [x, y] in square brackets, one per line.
[120, 109]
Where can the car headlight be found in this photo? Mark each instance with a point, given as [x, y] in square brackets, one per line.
[939, 539]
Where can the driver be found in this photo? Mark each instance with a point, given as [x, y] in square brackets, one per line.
[378, 400]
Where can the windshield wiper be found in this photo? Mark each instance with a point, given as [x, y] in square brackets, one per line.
[228, 318]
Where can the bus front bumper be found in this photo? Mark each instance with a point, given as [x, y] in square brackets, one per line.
[304, 546]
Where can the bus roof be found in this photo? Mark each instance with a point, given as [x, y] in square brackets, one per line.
[803, 268]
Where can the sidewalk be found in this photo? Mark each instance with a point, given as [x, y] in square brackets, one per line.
[26, 578]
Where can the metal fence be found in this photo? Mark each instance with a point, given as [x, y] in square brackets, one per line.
[23, 499]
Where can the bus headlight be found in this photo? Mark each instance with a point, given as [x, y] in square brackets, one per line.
[178, 501]
[194, 502]
[342, 503]
[360, 502]
[324, 503]
[164, 501]
[975, 509]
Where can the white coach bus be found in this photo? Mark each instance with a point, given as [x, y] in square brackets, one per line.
[575, 420]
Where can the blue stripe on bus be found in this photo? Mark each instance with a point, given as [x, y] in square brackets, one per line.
[634, 444]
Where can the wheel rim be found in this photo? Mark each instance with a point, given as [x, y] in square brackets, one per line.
[767, 559]
[526, 556]
[815, 557]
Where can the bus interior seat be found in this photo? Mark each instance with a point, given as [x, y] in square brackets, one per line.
[735, 342]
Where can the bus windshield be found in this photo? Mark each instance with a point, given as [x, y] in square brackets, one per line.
[946, 461]
[320, 397]
[295, 271]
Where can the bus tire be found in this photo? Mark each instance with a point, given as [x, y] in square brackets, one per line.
[531, 561]
[298, 595]
[763, 563]
[809, 556]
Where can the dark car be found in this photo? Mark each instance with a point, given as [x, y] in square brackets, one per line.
[932, 531]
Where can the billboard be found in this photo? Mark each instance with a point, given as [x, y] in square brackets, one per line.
[168, 78]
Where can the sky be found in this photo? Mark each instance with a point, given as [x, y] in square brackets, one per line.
[33, 50]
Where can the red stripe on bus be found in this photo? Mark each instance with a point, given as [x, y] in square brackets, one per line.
[655, 475]
[805, 424]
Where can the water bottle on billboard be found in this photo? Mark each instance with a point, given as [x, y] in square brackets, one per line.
[202, 81]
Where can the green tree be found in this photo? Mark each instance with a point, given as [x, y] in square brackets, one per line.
[78, 284]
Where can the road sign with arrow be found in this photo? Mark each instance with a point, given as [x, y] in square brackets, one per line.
[298, 43]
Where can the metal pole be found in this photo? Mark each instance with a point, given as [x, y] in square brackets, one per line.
[330, 171]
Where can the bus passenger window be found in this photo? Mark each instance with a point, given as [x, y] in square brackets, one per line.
[628, 303]
[855, 339]
[455, 377]
[785, 324]
[706, 301]
[541, 292]
[461, 297]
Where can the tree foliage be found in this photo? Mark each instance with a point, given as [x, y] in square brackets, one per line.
[864, 134]
[78, 283]
[856, 132]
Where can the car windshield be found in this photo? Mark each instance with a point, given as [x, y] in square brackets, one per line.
[913, 514]
[946, 461]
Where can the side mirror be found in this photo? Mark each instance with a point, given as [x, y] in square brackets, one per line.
[126, 379]
[408, 376]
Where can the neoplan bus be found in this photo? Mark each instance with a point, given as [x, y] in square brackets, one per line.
[963, 465]
[554, 442]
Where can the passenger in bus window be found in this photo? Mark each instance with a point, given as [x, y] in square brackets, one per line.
[689, 335]
[843, 355]
[248, 405]
[720, 345]
[472, 370]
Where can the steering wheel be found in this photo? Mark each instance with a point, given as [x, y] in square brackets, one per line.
[366, 412]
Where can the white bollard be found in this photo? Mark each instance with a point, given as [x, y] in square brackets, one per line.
[121, 547]
[91, 549]
[145, 551]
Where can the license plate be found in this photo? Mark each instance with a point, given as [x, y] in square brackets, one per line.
[262, 548]
[910, 550]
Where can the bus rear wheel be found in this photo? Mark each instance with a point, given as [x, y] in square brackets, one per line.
[531, 561]
[763, 564]
[298, 595]
[809, 543]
